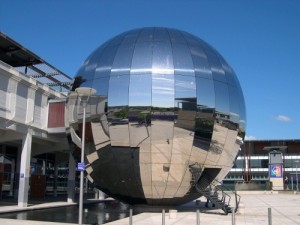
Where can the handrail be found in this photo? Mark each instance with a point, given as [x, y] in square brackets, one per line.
[237, 196]
[225, 197]
[237, 201]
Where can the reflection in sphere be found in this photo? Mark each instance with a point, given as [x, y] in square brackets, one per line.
[169, 114]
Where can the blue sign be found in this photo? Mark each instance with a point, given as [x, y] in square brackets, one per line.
[81, 166]
[276, 170]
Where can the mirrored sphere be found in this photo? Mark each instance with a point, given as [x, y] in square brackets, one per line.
[168, 114]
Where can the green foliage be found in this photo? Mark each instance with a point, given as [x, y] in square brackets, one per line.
[122, 114]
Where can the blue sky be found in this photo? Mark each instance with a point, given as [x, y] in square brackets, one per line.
[259, 39]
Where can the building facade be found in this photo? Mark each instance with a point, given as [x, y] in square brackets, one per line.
[29, 149]
[253, 163]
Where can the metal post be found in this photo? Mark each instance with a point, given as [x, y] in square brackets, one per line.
[233, 216]
[269, 216]
[130, 216]
[84, 94]
[297, 175]
[82, 172]
[163, 217]
[198, 217]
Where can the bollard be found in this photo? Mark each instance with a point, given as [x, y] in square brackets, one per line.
[270, 216]
[172, 214]
[233, 216]
[198, 217]
[163, 217]
[130, 216]
[241, 209]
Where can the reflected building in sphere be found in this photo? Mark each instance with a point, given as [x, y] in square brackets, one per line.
[169, 114]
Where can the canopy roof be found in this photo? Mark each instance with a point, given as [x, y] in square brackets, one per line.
[25, 61]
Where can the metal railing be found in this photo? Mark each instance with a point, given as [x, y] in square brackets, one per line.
[214, 193]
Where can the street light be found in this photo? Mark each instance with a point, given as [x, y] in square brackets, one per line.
[297, 175]
[84, 94]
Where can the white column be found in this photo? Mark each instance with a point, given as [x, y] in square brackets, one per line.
[11, 99]
[71, 179]
[30, 106]
[12, 178]
[25, 170]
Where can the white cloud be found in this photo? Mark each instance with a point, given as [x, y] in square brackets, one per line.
[250, 138]
[282, 118]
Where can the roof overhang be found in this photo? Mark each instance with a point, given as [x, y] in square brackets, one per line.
[28, 63]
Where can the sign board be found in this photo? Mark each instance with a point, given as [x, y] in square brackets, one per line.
[81, 166]
[276, 171]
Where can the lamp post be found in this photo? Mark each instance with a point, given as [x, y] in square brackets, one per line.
[84, 93]
[297, 175]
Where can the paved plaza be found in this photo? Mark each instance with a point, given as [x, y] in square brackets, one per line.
[285, 208]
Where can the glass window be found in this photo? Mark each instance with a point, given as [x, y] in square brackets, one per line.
[255, 163]
[176, 37]
[238, 164]
[163, 91]
[105, 61]
[205, 93]
[101, 85]
[215, 65]
[162, 61]
[183, 63]
[140, 111]
[122, 60]
[140, 90]
[203, 131]
[202, 67]
[229, 73]
[185, 87]
[242, 110]
[118, 110]
[264, 163]
[288, 163]
[234, 105]
[142, 58]
[205, 113]
[161, 35]
[185, 100]
[145, 35]
[162, 117]
[118, 91]
[140, 127]
[222, 99]
[191, 39]
[130, 37]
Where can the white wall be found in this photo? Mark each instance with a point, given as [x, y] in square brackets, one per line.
[23, 100]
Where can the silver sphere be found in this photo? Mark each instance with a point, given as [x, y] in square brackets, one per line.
[169, 114]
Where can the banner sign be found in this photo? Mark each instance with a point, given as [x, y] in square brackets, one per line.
[276, 171]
